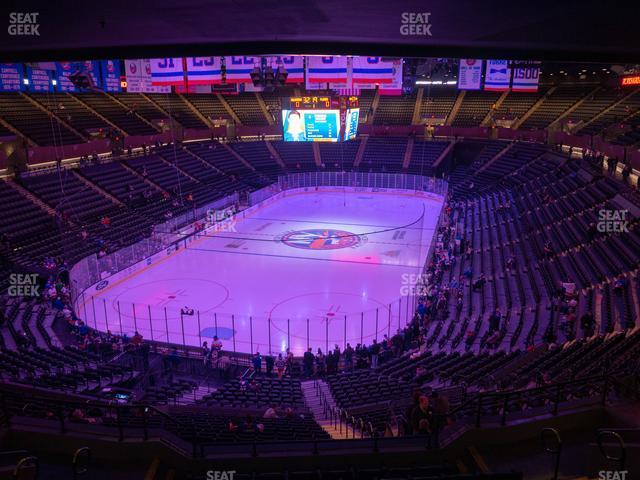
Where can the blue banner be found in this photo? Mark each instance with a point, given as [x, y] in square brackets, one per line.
[110, 75]
[11, 75]
[39, 80]
[64, 69]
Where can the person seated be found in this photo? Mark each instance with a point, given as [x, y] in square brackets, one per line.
[619, 285]
[479, 283]
[422, 417]
[271, 412]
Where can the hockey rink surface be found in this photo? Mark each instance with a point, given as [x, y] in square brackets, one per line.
[311, 268]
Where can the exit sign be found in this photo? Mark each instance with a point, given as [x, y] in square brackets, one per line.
[630, 80]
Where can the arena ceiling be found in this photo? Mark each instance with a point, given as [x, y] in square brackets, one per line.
[560, 30]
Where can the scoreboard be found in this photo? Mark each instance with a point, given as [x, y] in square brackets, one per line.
[311, 102]
[319, 118]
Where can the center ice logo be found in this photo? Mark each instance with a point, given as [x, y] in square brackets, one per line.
[321, 239]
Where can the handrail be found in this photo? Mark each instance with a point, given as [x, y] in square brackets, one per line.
[80, 462]
[62, 407]
[557, 451]
[621, 459]
[505, 393]
[25, 463]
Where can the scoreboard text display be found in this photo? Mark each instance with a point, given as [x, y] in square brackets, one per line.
[311, 125]
[318, 118]
[310, 102]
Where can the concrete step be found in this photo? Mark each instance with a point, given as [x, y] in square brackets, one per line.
[335, 432]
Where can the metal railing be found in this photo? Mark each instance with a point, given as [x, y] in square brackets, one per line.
[140, 421]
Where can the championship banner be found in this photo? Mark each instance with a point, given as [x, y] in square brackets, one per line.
[138, 75]
[294, 65]
[65, 69]
[11, 77]
[238, 68]
[470, 74]
[525, 79]
[371, 70]
[498, 76]
[322, 70]
[204, 70]
[110, 75]
[167, 71]
[39, 80]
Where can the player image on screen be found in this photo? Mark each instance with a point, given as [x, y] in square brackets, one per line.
[310, 125]
[294, 129]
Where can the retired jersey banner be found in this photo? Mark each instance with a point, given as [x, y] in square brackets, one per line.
[204, 70]
[395, 86]
[371, 70]
[322, 70]
[11, 77]
[167, 71]
[39, 80]
[238, 68]
[110, 75]
[470, 74]
[525, 79]
[498, 76]
[138, 75]
[293, 64]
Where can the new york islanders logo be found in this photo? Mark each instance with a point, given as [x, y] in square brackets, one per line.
[320, 239]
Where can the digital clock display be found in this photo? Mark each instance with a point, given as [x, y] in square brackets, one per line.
[311, 102]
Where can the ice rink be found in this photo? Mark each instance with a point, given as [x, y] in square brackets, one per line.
[311, 268]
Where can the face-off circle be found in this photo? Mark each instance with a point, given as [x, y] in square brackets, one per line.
[320, 239]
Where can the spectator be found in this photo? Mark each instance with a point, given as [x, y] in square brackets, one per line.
[320, 363]
[348, 357]
[415, 402]
[288, 362]
[422, 417]
[136, 340]
[257, 363]
[494, 321]
[271, 412]
[280, 365]
[479, 283]
[206, 353]
[375, 351]
[269, 361]
[307, 362]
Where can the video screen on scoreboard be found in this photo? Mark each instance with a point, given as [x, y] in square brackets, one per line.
[310, 125]
[351, 123]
